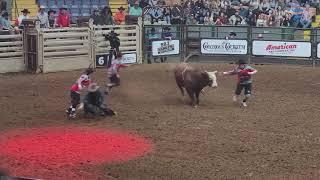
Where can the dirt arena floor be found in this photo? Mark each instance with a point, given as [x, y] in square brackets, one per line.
[277, 135]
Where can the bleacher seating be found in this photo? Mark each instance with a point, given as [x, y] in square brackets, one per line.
[77, 8]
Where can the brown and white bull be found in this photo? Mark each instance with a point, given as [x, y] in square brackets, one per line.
[194, 80]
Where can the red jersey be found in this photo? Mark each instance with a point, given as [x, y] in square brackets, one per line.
[63, 20]
[115, 67]
[81, 83]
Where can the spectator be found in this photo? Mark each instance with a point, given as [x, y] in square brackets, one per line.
[23, 16]
[96, 17]
[52, 19]
[296, 12]
[200, 16]
[156, 14]
[167, 15]
[252, 19]
[176, 14]
[43, 18]
[161, 3]
[282, 4]
[120, 16]
[271, 21]
[131, 3]
[245, 2]
[254, 6]
[285, 21]
[208, 19]
[273, 4]
[225, 4]
[222, 19]
[235, 19]
[106, 16]
[63, 19]
[261, 21]
[264, 6]
[243, 11]
[5, 23]
[3, 6]
[305, 20]
[135, 10]
[153, 3]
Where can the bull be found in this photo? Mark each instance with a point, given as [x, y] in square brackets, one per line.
[194, 80]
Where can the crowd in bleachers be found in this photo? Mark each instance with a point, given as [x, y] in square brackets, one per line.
[293, 13]
[62, 13]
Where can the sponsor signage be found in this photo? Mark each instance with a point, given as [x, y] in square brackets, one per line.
[167, 47]
[281, 48]
[223, 46]
[102, 60]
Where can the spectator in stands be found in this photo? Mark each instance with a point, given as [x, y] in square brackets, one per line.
[96, 17]
[23, 16]
[153, 3]
[251, 20]
[264, 6]
[5, 23]
[243, 11]
[167, 15]
[285, 21]
[200, 16]
[235, 19]
[3, 5]
[261, 21]
[305, 20]
[135, 10]
[222, 19]
[131, 3]
[176, 13]
[296, 12]
[52, 19]
[208, 19]
[156, 14]
[43, 18]
[161, 3]
[63, 19]
[106, 16]
[120, 16]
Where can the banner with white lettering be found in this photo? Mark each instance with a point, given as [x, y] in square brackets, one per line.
[281, 48]
[168, 47]
[223, 46]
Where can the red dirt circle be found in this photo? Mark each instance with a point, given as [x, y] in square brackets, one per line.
[65, 146]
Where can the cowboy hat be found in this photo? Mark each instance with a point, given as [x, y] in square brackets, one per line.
[64, 7]
[25, 11]
[93, 87]
[51, 11]
[121, 8]
[42, 7]
[232, 33]
[5, 14]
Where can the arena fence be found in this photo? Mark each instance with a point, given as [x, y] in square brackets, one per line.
[258, 44]
[51, 50]
[11, 52]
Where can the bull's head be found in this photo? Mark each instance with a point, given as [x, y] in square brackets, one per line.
[212, 82]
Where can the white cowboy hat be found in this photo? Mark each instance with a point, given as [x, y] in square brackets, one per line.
[93, 87]
[42, 7]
